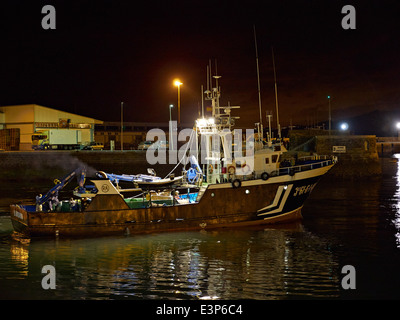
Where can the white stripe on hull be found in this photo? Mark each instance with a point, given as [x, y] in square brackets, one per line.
[276, 200]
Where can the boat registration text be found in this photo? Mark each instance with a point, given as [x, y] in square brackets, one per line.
[303, 189]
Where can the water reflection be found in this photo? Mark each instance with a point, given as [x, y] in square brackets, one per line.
[238, 264]
[396, 197]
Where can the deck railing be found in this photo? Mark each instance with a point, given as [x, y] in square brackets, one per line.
[308, 163]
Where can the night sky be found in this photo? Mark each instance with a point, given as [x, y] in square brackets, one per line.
[105, 52]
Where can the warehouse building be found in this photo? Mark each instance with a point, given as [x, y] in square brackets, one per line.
[20, 124]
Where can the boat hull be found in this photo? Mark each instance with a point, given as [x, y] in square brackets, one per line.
[278, 199]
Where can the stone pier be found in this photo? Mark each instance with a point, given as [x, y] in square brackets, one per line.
[357, 154]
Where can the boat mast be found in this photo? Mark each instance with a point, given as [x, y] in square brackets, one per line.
[259, 90]
[215, 131]
[216, 93]
[276, 96]
[269, 115]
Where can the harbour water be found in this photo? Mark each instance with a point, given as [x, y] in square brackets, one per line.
[354, 223]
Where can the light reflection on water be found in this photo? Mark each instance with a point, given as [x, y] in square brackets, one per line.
[239, 264]
[396, 197]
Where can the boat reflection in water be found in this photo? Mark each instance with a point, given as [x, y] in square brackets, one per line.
[281, 262]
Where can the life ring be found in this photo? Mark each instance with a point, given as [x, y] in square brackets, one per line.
[210, 168]
[236, 183]
[264, 176]
[56, 181]
[231, 169]
[246, 169]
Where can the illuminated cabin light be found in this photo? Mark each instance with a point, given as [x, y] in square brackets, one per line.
[247, 191]
[201, 122]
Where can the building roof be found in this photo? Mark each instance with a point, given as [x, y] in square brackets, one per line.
[38, 112]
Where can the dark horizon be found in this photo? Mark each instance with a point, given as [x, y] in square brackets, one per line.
[103, 53]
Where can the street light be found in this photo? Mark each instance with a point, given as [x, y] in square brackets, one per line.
[344, 126]
[122, 126]
[178, 83]
[398, 130]
[171, 143]
[330, 119]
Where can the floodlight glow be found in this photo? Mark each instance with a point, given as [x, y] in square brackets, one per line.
[177, 82]
[344, 126]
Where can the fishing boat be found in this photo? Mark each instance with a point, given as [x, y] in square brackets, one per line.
[222, 188]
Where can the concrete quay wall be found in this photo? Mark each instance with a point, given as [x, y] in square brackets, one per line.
[33, 165]
[360, 159]
[357, 155]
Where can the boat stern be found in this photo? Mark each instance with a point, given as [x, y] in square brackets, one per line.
[19, 218]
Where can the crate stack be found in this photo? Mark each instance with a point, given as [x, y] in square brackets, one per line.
[10, 139]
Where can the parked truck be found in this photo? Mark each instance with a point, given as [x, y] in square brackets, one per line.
[57, 139]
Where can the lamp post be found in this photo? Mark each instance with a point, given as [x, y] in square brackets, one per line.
[398, 130]
[330, 119]
[178, 84]
[171, 140]
[122, 126]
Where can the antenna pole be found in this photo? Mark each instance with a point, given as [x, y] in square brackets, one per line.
[258, 82]
[208, 80]
[210, 74]
[276, 96]
[202, 102]
[122, 126]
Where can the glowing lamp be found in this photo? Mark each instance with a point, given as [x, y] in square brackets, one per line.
[177, 83]
[202, 122]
